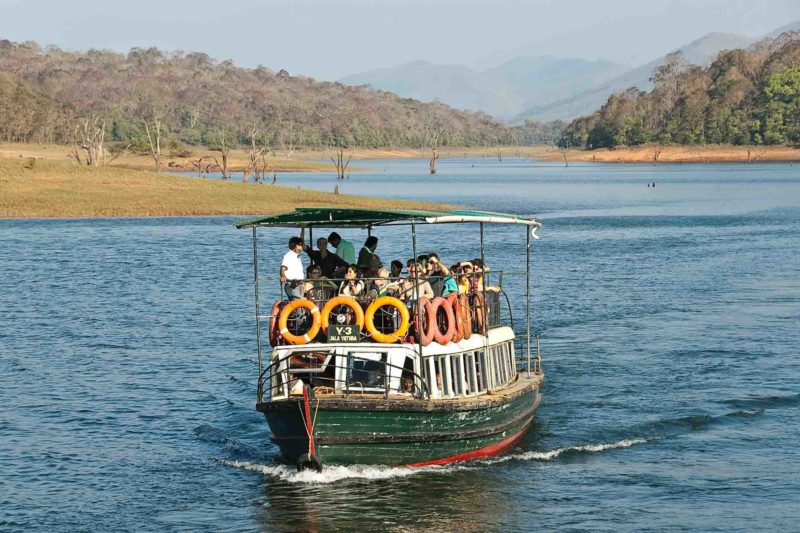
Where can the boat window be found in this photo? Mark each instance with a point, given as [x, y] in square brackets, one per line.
[459, 382]
[481, 370]
[367, 370]
[444, 375]
[470, 371]
[302, 367]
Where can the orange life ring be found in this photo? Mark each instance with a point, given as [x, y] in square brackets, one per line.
[284, 318]
[347, 301]
[428, 328]
[440, 303]
[369, 320]
[458, 313]
[463, 304]
[274, 332]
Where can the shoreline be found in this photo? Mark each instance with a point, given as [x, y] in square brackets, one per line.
[64, 190]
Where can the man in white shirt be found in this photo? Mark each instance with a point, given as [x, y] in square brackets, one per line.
[292, 271]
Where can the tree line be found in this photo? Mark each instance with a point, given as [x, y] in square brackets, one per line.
[745, 97]
[49, 95]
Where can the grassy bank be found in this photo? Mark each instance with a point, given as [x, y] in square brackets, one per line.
[64, 189]
[678, 154]
[170, 161]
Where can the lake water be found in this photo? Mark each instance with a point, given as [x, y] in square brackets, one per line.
[669, 319]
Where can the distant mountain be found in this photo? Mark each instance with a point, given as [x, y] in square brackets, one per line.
[792, 26]
[502, 91]
[699, 52]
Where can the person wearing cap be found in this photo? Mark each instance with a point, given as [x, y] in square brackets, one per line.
[344, 248]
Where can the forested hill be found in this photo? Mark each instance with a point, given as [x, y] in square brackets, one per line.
[45, 92]
[744, 97]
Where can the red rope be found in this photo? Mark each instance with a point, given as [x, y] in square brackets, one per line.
[309, 427]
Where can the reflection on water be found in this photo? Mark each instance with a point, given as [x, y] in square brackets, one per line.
[668, 319]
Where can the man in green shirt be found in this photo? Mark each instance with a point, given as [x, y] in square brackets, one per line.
[344, 249]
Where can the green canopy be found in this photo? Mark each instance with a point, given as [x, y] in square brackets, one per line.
[344, 217]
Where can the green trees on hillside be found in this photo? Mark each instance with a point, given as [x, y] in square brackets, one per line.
[43, 92]
[744, 97]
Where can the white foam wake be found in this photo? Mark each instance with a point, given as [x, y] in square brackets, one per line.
[332, 474]
[552, 454]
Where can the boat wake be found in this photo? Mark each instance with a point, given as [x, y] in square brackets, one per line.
[332, 474]
[568, 450]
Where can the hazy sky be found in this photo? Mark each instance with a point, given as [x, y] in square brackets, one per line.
[329, 40]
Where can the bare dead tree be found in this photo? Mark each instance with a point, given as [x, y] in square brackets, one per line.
[224, 151]
[499, 155]
[339, 161]
[198, 164]
[758, 155]
[89, 138]
[433, 142]
[656, 154]
[253, 167]
[154, 140]
[564, 155]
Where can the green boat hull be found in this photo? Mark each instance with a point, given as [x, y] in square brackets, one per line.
[396, 432]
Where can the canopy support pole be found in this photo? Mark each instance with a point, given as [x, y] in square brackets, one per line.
[418, 307]
[484, 312]
[528, 293]
[258, 320]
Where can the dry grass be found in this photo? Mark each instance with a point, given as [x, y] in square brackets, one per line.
[64, 189]
[238, 159]
[678, 154]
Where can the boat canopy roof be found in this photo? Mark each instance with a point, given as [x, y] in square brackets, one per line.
[354, 217]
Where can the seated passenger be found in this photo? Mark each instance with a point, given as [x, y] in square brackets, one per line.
[318, 288]
[409, 290]
[397, 270]
[351, 286]
[441, 281]
[464, 273]
[382, 286]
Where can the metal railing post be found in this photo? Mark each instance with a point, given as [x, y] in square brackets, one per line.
[258, 320]
[528, 292]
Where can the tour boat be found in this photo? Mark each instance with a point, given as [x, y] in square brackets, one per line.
[384, 382]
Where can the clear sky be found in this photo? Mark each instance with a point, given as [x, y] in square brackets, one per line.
[330, 39]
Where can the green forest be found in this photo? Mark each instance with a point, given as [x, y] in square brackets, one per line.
[46, 92]
[745, 97]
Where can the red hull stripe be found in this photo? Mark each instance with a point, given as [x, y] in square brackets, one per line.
[488, 451]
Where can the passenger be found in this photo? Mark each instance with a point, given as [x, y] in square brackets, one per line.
[318, 288]
[344, 249]
[397, 270]
[423, 260]
[331, 265]
[442, 282]
[351, 286]
[367, 259]
[291, 273]
[382, 286]
[465, 272]
[477, 278]
[423, 288]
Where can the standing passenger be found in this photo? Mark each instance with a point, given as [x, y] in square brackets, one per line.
[292, 270]
[344, 249]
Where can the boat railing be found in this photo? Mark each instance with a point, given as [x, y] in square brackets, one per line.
[491, 302]
[279, 377]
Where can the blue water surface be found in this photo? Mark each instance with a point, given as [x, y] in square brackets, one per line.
[669, 320]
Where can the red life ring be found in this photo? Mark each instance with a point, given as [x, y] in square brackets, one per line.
[428, 330]
[438, 304]
[274, 331]
[458, 312]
